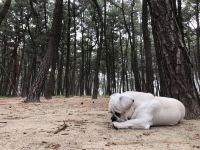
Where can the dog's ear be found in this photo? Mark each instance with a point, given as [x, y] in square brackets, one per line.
[126, 102]
[126, 98]
[113, 99]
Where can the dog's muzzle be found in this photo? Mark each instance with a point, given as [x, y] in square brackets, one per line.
[113, 118]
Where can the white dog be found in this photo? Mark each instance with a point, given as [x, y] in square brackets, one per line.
[142, 110]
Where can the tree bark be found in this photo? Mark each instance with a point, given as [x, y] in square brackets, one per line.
[176, 62]
[50, 85]
[82, 73]
[122, 64]
[113, 61]
[60, 72]
[67, 85]
[99, 50]
[134, 61]
[197, 36]
[4, 10]
[88, 75]
[108, 91]
[147, 48]
[60, 83]
[73, 87]
[53, 43]
[180, 18]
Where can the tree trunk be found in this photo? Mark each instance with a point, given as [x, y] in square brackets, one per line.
[50, 85]
[134, 58]
[197, 36]
[60, 89]
[113, 70]
[126, 66]
[176, 63]
[4, 68]
[45, 15]
[108, 91]
[82, 73]
[122, 64]
[147, 48]
[67, 85]
[73, 87]
[160, 63]
[97, 64]
[53, 43]
[15, 71]
[60, 72]
[4, 10]
[180, 18]
[88, 76]
[143, 82]
[131, 35]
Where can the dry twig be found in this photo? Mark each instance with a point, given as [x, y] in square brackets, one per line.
[62, 127]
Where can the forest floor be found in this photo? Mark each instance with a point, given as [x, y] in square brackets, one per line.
[81, 123]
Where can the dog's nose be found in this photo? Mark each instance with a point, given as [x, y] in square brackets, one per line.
[113, 118]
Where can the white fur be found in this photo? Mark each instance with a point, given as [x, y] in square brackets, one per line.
[142, 110]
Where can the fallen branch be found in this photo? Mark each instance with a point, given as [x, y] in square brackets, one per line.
[62, 127]
[3, 122]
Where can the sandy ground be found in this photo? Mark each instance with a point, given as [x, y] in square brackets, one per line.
[87, 127]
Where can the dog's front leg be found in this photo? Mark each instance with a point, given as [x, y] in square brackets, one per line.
[133, 123]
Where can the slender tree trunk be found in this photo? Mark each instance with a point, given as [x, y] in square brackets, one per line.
[15, 71]
[108, 91]
[73, 88]
[60, 72]
[26, 77]
[21, 61]
[143, 82]
[134, 58]
[67, 84]
[122, 64]
[126, 66]
[4, 67]
[99, 50]
[113, 70]
[82, 73]
[176, 63]
[60, 84]
[88, 75]
[53, 43]
[147, 48]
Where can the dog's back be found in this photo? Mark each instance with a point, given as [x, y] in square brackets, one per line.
[170, 112]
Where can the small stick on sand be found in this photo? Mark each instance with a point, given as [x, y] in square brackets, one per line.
[62, 127]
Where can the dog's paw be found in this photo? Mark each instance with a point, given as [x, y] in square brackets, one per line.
[115, 125]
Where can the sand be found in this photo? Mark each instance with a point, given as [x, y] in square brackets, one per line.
[84, 125]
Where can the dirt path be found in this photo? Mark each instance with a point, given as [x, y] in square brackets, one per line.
[87, 127]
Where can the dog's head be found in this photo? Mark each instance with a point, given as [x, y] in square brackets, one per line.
[119, 107]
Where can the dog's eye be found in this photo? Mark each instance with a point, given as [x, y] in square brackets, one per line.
[117, 114]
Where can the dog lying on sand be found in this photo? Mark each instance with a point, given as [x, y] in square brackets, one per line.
[138, 110]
